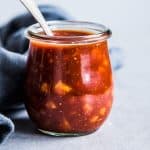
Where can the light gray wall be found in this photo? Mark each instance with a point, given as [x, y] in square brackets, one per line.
[128, 19]
[128, 127]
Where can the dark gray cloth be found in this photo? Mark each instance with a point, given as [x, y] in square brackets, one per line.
[13, 60]
[12, 70]
[6, 128]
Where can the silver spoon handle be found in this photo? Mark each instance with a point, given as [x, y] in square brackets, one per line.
[34, 10]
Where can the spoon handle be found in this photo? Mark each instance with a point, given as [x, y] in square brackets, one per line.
[34, 10]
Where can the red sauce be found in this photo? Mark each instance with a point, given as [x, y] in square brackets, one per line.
[68, 87]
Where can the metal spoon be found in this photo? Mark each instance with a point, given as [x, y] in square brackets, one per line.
[34, 10]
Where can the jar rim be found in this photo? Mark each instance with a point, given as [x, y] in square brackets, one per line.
[99, 32]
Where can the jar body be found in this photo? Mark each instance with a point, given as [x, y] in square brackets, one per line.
[68, 87]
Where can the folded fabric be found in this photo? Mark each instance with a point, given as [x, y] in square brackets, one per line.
[6, 128]
[12, 70]
[13, 61]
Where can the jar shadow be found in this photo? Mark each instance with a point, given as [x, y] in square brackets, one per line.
[25, 126]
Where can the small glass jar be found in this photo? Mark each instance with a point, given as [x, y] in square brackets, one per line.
[69, 86]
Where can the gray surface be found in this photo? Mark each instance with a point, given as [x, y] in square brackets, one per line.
[128, 126]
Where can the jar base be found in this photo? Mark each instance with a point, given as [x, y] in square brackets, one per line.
[56, 134]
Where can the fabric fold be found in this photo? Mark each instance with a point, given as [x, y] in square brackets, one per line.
[6, 128]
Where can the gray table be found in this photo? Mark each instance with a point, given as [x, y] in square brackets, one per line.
[128, 126]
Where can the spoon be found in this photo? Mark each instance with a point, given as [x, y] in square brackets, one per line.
[34, 10]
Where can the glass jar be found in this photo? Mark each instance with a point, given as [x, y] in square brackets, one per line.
[69, 86]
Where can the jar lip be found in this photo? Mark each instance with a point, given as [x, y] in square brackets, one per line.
[101, 31]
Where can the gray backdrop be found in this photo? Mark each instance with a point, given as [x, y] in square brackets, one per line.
[128, 126]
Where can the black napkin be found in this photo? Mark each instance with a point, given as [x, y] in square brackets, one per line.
[13, 60]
